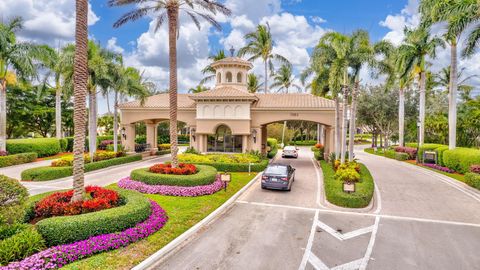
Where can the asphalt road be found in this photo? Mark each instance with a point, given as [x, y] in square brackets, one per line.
[420, 220]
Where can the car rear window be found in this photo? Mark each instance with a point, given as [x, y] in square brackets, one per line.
[289, 148]
[277, 170]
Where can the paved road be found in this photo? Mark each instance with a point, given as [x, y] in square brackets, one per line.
[419, 221]
[16, 171]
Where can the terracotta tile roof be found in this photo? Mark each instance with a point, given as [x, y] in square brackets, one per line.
[292, 101]
[161, 101]
[232, 60]
[224, 92]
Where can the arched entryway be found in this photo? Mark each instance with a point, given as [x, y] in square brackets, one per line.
[224, 141]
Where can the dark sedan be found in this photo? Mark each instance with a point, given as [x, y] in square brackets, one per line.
[278, 176]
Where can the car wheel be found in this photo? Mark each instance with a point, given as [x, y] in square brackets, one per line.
[263, 187]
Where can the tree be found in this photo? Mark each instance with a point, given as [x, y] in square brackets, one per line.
[169, 10]
[260, 45]
[80, 78]
[459, 15]
[284, 79]
[253, 85]
[200, 88]
[17, 57]
[412, 58]
[209, 71]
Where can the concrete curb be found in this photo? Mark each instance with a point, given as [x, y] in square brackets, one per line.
[175, 243]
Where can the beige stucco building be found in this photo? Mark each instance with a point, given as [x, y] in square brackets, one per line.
[228, 118]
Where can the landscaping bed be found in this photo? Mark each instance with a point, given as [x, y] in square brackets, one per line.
[318, 151]
[364, 188]
[204, 175]
[227, 162]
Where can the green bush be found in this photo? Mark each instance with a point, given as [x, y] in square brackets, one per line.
[205, 175]
[334, 188]
[440, 151]
[104, 138]
[63, 144]
[318, 155]
[460, 159]
[390, 153]
[163, 152]
[22, 244]
[44, 147]
[473, 180]
[272, 143]
[303, 143]
[272, 153]
[227, 162]
[12, 200]
[401, 156]
[17, 159]
[7, 230]
[238, 167]
[70, 144]
[68, 229]
[51, 173]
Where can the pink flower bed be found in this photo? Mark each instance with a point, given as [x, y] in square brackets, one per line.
[58, 256]
[127, 183]
[438, 167]
[412, 152]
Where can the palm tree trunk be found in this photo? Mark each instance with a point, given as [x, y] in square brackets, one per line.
[353, 109]
[422, 108]
[115, 123]
[266, 76]
[107, 98]
[80, 90]
[58, 112]
[452, 102]
[92, 128]
[344, 125]
[337, 127]
[3, 115]
[401, 117]
[172, 13]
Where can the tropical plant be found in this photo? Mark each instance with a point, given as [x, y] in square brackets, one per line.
[443, 80]
[170, 10]
[253, 85]
[284, 79]
[198, 89]
[209, 71]
[417, 45]
[260, 45]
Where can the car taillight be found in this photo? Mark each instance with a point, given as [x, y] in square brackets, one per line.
[264, 177]
[284, 179]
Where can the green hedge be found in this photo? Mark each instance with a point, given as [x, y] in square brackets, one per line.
[70, 144]
[17, 159]
[44, 147]
[303, 143]
[163, 152]
[473, 180]
[401, 156]
[440, 150]
[460, 159]
[272, 153]
[22, 244]
[425, 147]
[13, 196]
[237, 167]
[334, 188]
[68, 229]
[51, 173]
[205, 175]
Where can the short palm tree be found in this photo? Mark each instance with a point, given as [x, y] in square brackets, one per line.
[284, 79]
[208, 70]
[260, 45]
[253, 83]
[17, 57]
[170, 10]
[459, 15]
[198, 89]
[418, 43]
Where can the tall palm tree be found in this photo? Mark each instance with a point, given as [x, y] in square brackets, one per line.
[458, 14]
[284, 79]
[417, 44]
[198, 89]
[253, 84]
[208, 70]
[80, 91]
[260, 45]
[15, 57]
[169, 10]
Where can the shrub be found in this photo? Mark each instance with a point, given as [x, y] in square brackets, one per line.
[428, 147]
[141, 139]
[24, 243]
[68, 229]
[98, 156]
[101, 139]
[70, 144]
[440, 150]
[205, 175]
[318, 155]
[43, 147]
[104, 144]
[3, 153]
[272, 153]
[475, 168]
[219, 158]
[12, 200]
[50, 173]
[347, 175]
[273, 148]
[303, 143]
[111, 147]
[438, 167]
[59, 203]
[410, 151]
[17, 159]
[163, 152]
[182, 169]
[63, 144]
[460, 159]
[402, 156]
[191, 150]
[319, 146]
[7, 230]
[164, 146]
[473, 180]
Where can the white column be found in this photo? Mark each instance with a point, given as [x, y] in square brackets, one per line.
[129, 141]
[244, 143]
[151, 134]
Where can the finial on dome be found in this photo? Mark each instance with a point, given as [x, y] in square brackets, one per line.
[232, 51]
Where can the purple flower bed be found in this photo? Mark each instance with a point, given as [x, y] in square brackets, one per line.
[195, 191]
[58, 256]
[438, 167]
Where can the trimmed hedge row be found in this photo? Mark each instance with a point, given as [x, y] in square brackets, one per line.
[334, 188]
[13, 196]
[237, 167]
[163, 152]
[460, 159]
[25, 242]
[204, 176]
[51, 173]
[17, 159]
[43, 147]
[473, 180]
[68, 229]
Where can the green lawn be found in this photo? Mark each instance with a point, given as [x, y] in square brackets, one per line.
[183, 213]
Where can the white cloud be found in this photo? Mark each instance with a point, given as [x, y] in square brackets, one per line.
[254, 10]
[317, 19]
[45, 21]
[409, 17]
[112, 45]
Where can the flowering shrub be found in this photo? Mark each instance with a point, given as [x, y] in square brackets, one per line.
[194, 191]
[103, 144]
[98, 156]
[319, 146]
[59, 204]
[412, 152]
[347, 174]
[164, 146]
[182, 169]
[438, 167]
[475, 168]
[58, 256]
[352, 165]
[3, 153]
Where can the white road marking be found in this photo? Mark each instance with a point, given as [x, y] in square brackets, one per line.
[353, 265]
[316, 262]
[319, 183]
[307, 253]
[371, 243]
[379, 198]
[346, 236]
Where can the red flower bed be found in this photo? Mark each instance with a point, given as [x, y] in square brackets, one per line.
[319, 146]
[182, 169]
[475, 168]
[59, 203]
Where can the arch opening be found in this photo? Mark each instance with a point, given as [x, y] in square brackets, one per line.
[229, 77]
[224, 141]
[239, 77]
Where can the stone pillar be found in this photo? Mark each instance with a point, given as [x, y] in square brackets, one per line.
[244, 143]
[129, 142]
[256, 144]
[329, 140]
[322, 134]
[263, 139]
[151, 138]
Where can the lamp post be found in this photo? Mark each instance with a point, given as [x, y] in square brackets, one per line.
[418, 140]
[122, 132]
[192, 132]
[254, 135]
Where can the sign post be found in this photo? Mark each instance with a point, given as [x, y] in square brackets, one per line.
[225, 178]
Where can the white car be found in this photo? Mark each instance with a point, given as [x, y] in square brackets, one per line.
[290, 151]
